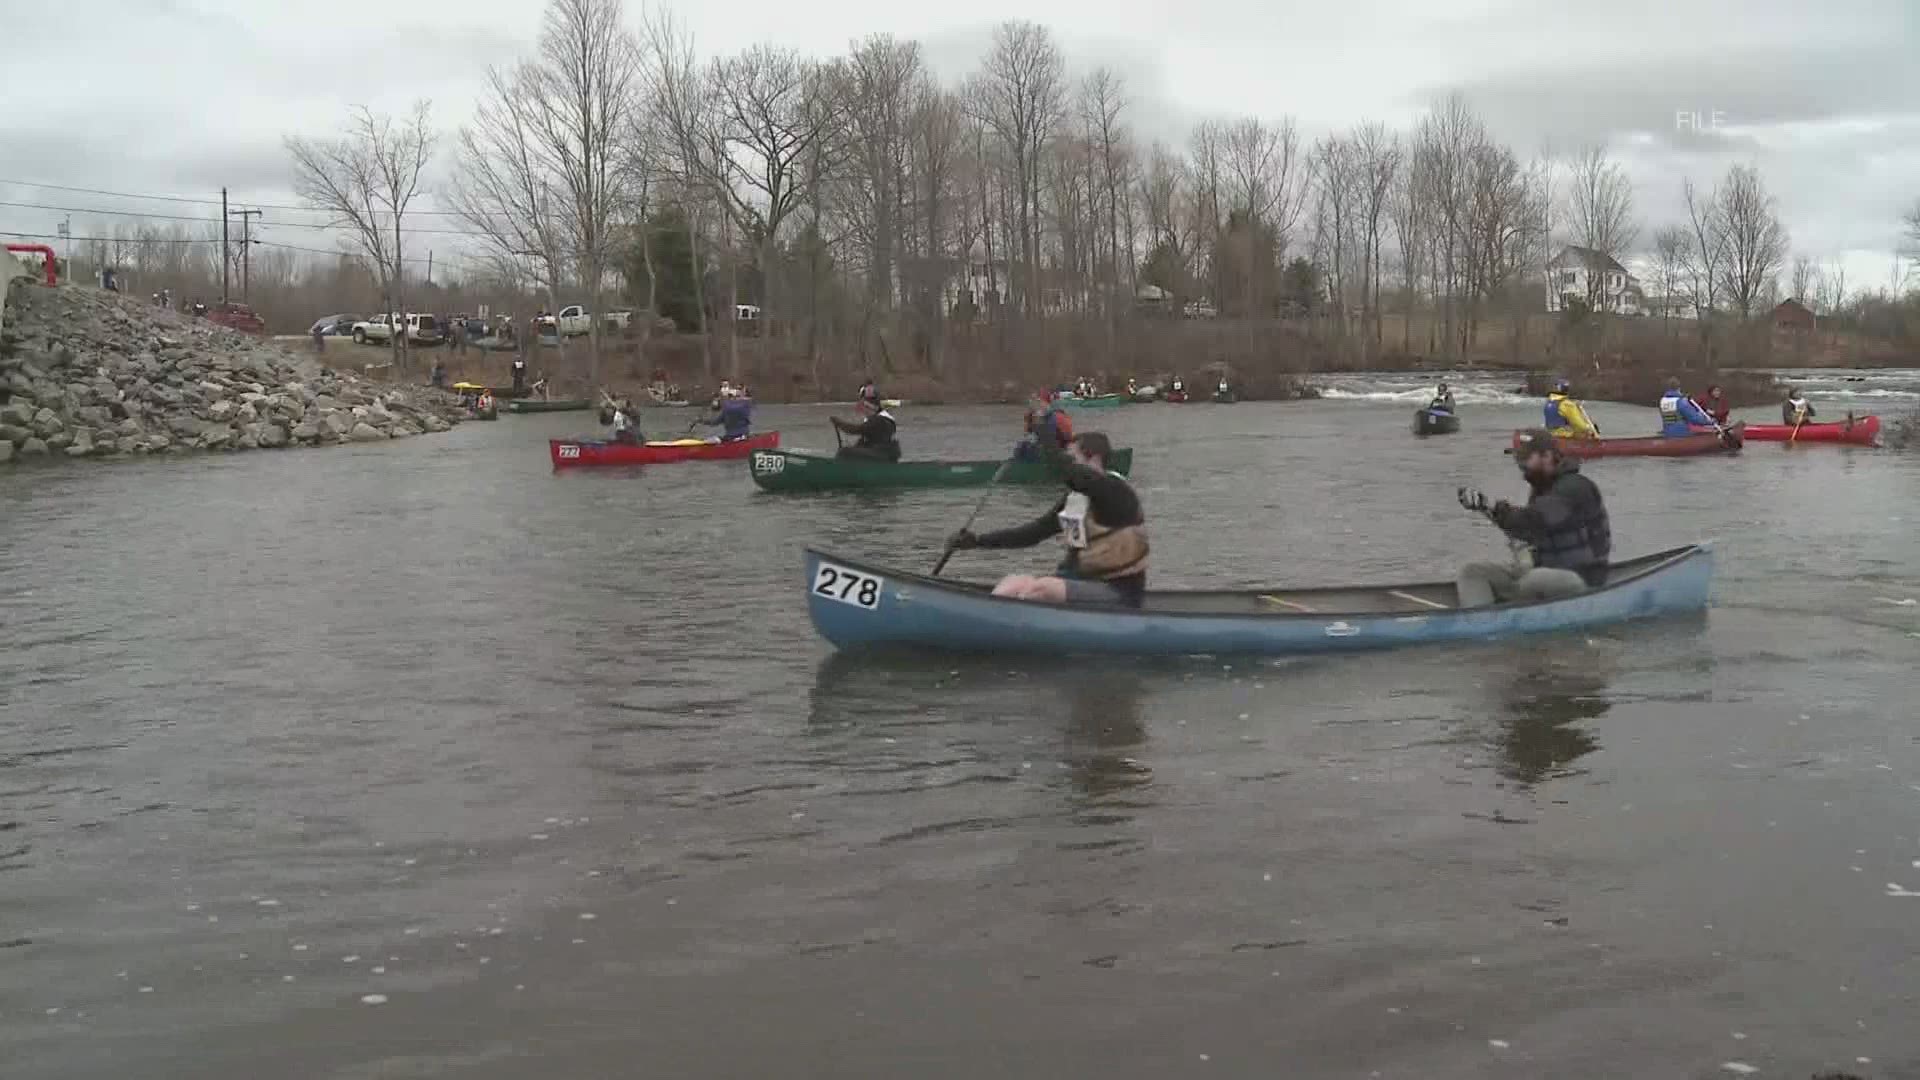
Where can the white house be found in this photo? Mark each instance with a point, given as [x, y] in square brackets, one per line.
[1583, 274]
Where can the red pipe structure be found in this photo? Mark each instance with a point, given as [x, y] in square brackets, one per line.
[43, 249]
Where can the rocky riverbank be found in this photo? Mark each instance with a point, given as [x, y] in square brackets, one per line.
[87, 373]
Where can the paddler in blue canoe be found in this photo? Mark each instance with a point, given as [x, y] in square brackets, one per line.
[1680, 414]
[1101, 524]
[733, 414]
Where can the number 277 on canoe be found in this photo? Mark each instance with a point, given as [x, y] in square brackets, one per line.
[847, 586]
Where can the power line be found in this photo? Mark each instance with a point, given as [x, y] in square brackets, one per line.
[199, 202]
[183, 217]
[208, 240]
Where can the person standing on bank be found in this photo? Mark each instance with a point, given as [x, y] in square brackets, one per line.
[1564, 522]
[1100, 522]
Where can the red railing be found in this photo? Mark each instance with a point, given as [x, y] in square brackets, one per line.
[52, 278]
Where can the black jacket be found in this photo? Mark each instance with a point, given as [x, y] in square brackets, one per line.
[1566, 525]
[1113, 503]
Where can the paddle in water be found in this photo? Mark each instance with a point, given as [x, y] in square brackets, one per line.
[977, 507]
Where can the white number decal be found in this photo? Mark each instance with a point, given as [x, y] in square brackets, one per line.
[568, 450]
[847, 586]
[769, 463]
[1342, 629]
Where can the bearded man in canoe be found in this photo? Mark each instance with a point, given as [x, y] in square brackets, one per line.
[1566, 417]
[1100, 522]
[1679, 414]
[1564, 522]
[1049, 431]
[878, 433]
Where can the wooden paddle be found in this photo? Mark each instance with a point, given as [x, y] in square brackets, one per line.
[977, 507]
[1799, 418]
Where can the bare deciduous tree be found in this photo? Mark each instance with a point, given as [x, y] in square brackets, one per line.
[1751, 235]
[1600, 212]
[1020, 94]
[1707, 251]
[365, 181]
[1806, 279]
[1670, 243]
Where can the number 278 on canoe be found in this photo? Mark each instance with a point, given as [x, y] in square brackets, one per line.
[847, 586]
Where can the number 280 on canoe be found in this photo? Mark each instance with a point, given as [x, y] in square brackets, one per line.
[847, 586]
[769, 463]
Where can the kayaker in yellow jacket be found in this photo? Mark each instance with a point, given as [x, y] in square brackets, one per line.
[1565, 417]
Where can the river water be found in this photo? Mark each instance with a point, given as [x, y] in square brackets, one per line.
[420, 760]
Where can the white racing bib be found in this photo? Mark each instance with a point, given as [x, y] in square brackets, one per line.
[1669, 408]
[1073, 521]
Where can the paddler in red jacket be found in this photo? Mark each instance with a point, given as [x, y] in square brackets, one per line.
[1714, 404]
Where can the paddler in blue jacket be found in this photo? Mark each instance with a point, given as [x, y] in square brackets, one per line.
[733, 414]
[1680, 415]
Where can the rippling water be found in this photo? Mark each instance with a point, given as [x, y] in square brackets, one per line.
[421, 760]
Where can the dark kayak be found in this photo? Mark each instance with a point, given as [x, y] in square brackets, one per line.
[787, 470]
[1434, 422]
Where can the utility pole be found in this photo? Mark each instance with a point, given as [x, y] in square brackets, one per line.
[225, 260]
[246, 249]
[429, 266]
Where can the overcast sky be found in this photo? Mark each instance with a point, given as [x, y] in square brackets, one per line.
[180, 97]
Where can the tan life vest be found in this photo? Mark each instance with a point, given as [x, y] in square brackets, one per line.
[1104, 552]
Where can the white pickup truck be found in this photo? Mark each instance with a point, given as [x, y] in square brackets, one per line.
[573, 321]
[421, 329]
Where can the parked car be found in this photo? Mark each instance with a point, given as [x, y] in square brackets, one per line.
[236, 317]
[424, 330]
[574, 321]
[375, 330]
[420, 329]
[335, 326]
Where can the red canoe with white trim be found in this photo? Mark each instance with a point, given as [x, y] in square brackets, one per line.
[567, 453]
[1857, 431]
[1649, 446]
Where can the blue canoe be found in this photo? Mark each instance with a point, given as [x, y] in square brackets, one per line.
[857, 605]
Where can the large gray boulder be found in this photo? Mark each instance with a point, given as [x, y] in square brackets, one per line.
[305, 432]
[16, 414]
[6, 452]
[47, 423]
[14, 435]
[33, 448]
[272, 436]
[338, 423]
[364, 432]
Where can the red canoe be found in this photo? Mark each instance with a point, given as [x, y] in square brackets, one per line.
[1855, 431]
[567, 453]
[1650, 446]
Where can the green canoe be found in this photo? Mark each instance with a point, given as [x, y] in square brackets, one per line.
[1104, 401]
[527, 405]
[786, 470]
